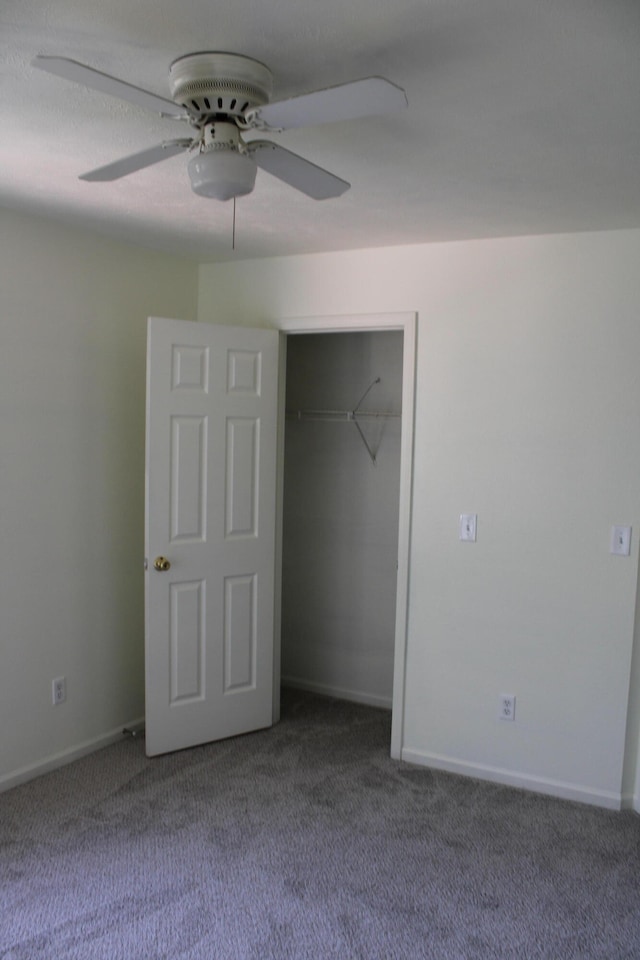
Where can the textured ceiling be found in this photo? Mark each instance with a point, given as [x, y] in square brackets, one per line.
[523, 118]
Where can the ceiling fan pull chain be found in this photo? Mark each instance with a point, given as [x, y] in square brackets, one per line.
[233, 235]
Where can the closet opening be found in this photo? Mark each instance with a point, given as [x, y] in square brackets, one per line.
[342, 516]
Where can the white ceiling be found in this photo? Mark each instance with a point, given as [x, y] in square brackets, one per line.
[523, 118]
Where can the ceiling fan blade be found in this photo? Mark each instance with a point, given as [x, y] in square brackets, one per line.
[79, 73]
[348, 101]
[136, 161]
[296, 171]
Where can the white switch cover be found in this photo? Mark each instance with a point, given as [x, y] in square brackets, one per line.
[468, 524]
[620, 541]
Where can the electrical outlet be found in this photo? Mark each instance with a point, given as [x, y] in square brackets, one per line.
[507, 706]
[58, 690]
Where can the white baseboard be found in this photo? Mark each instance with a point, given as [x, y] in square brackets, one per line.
[22, 775]
[551, 788]
[355, 696]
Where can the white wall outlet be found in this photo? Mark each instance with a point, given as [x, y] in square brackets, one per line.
[468, 526]
[620, 541]
[507, 706]
[58, 690]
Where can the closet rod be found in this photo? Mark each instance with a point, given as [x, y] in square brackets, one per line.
[348, 415]
[345, 414]
[341, 415]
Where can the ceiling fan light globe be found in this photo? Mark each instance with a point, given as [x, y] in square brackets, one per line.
[222, 174]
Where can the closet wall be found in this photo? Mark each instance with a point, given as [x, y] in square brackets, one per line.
[340, 532]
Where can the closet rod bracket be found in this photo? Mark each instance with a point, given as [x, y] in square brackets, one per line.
[354, 417]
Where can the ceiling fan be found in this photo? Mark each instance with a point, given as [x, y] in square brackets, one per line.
[221, 96]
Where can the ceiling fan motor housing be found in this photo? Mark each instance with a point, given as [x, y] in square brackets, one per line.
[211, 84]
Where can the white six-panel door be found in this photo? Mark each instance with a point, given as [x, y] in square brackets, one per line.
[210, 516]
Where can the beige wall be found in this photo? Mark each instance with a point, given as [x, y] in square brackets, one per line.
[526, 414]
[73, 312]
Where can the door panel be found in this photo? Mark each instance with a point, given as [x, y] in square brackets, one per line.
[211, 507]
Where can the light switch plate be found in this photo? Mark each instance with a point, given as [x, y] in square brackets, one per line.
[468, 526]
[620, 541]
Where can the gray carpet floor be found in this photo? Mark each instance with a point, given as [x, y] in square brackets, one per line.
[307, 841]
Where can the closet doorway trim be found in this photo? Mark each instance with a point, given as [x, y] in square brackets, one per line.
[363, 323]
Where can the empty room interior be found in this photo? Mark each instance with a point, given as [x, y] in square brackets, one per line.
[441, 268]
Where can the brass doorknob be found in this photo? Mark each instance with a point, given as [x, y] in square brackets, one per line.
[161, 563]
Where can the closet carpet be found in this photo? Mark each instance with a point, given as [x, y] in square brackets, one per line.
[307, 841]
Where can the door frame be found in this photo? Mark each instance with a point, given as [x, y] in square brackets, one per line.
[359, 323]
